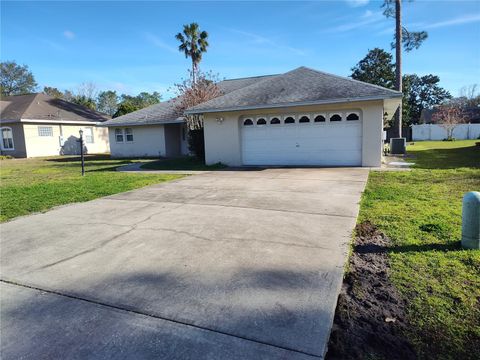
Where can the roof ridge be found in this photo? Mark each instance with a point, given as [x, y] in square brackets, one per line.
[251, 77]
[30, 104]
[268, 77]
[347, 78]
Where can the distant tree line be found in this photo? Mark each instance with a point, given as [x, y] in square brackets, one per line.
[419, 92]
[108, 101]
[18, 80]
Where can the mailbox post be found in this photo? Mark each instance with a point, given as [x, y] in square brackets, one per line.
[81, 152]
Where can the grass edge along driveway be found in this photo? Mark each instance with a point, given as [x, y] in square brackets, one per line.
[420, 211]
[36, 185]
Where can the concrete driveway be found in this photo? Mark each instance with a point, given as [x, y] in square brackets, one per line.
[223, 265]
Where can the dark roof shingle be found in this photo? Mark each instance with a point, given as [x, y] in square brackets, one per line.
[166, 112]
[44, 107]
[299, 86]
[302, 85]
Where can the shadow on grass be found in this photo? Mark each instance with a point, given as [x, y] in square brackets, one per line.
[182, 163]
[447, 158]
[72, 158]
[378, 249]
[104, 169]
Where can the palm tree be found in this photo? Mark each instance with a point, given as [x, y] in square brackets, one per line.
[193, 43]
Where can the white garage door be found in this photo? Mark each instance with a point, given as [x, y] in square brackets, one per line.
[333, 139]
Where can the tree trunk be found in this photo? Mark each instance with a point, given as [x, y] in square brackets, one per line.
[398, 64]
[194, 70]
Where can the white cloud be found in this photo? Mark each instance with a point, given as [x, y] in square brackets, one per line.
[261, 40]
[357, 3]
[156, 41]
[368, 18]
[457, 21]
[69, 34]
[54, 45]
[367, 13]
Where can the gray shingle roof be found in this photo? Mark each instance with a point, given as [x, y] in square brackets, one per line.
[44, 107]
[161, 113]
[165, 112]
[296, 87]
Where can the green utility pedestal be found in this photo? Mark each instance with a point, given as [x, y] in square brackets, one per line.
[471, 220]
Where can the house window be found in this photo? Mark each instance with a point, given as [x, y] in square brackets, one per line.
[275, 121]
[129, 134]
[118, 135]
[319, 118]
[248, 122]
[352, 117]
[289, 120]
[88, 134]
[335, 117]
[45, 131]
[7, 138]
[304, 119]
[261, 121]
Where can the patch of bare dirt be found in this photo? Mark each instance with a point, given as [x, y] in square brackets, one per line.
[370, 316]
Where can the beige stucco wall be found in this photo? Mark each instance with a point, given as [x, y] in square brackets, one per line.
[41, 145]
[100, 138]
[148, 141]
[51, 145]
[223, 142]
[18, 140]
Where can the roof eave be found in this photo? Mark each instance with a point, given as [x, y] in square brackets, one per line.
[302, 103]
[132, 123]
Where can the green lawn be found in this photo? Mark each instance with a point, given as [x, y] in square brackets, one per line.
[32, 185]
[184, 163]
[420, 211]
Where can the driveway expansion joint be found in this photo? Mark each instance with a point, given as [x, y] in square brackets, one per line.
[137, 312]
[239, 207]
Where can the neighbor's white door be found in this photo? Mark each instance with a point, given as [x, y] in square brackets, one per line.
[324, 144]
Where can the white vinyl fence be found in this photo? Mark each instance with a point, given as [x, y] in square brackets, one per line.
[436, 132]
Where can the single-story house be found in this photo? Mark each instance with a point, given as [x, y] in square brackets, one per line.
[302, 117]
[40, 125]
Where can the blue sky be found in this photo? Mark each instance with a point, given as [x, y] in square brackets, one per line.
[130, 46]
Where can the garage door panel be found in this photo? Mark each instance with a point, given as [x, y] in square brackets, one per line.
[328, 144]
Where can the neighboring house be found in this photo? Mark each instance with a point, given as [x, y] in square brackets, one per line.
[302, 117]
[472, 115]
[40, 125]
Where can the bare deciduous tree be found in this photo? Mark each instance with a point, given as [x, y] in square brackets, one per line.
[449, 117]
[470, 96]
[88, 90]
[193, 93]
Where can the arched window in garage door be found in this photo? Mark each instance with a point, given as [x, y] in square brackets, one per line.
[261, 121]
[247, 122]
[353, 117]
[275, 121]
[304, 119]
[335, 117]
[289, 120]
